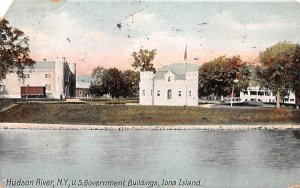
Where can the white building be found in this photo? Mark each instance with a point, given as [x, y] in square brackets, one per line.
[173, 85]
[58, 78]
[255, 93]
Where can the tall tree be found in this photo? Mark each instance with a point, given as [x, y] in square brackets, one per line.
[130, 83]
[277, 67]
[296, 69]
[14, 50]
[143, 60]
[217, 76]
[97, 87]
[296, 74]
[112, 82]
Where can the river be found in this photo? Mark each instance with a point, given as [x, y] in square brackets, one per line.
[252, 158]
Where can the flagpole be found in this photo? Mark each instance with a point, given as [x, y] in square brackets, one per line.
[185, 56]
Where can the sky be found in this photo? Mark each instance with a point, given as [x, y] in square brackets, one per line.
[104, 33]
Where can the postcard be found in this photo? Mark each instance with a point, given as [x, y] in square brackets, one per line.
[149, 93]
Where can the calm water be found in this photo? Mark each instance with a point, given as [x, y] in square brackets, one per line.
[217, 158]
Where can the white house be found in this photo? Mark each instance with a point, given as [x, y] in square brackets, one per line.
[255, 93]
[172, 85]
[56, 78]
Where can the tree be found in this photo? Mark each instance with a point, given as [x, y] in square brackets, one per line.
[296, 69]
[130, 84]
[112, 82]
[97, 75]
[296, 73]
[96, 90]
[217, 76]
[14, 50]
[143, 60]
[277, 69]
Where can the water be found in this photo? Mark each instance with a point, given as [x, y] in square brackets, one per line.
[216, 158]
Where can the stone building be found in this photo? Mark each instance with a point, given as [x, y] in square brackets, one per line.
[58, 78]
[172, 85]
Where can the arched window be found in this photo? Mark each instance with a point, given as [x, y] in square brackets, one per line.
[169, 79]
[169, 94]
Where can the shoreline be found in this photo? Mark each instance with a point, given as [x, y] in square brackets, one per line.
[41, 126]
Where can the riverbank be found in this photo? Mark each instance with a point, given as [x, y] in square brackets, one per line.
[39, 126]
[86, 114]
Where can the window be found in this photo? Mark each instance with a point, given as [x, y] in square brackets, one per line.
[1, 87]
[143, 92]
[169, 94]
[158, 93]
[169, 79]
[47, 75]
[27, 75]
[190, 93]
[179, 93]
[261, 93]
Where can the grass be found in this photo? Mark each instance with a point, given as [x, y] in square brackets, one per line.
[143, 115]
[6, 102]
[109, 101]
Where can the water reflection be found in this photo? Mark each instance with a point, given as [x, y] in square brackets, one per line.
[234, 158]
[296, 134]
[281, 149]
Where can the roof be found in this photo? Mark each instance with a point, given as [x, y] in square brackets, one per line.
[84, 85]
[44, 65]
[161, 75]
[179, 69]
[84, 78]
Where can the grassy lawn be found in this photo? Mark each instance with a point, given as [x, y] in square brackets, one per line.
[109, 101]
[143, 115]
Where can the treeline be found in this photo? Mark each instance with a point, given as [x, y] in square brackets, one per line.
[278, 71]
[114, 83]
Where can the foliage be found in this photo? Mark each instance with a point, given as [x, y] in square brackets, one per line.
[217, 76]
[97, 90]
[277, 69]
[143, 60]
[97, 74]
[14, 50]
[114, 82]
[296, 69]
[130, 87]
